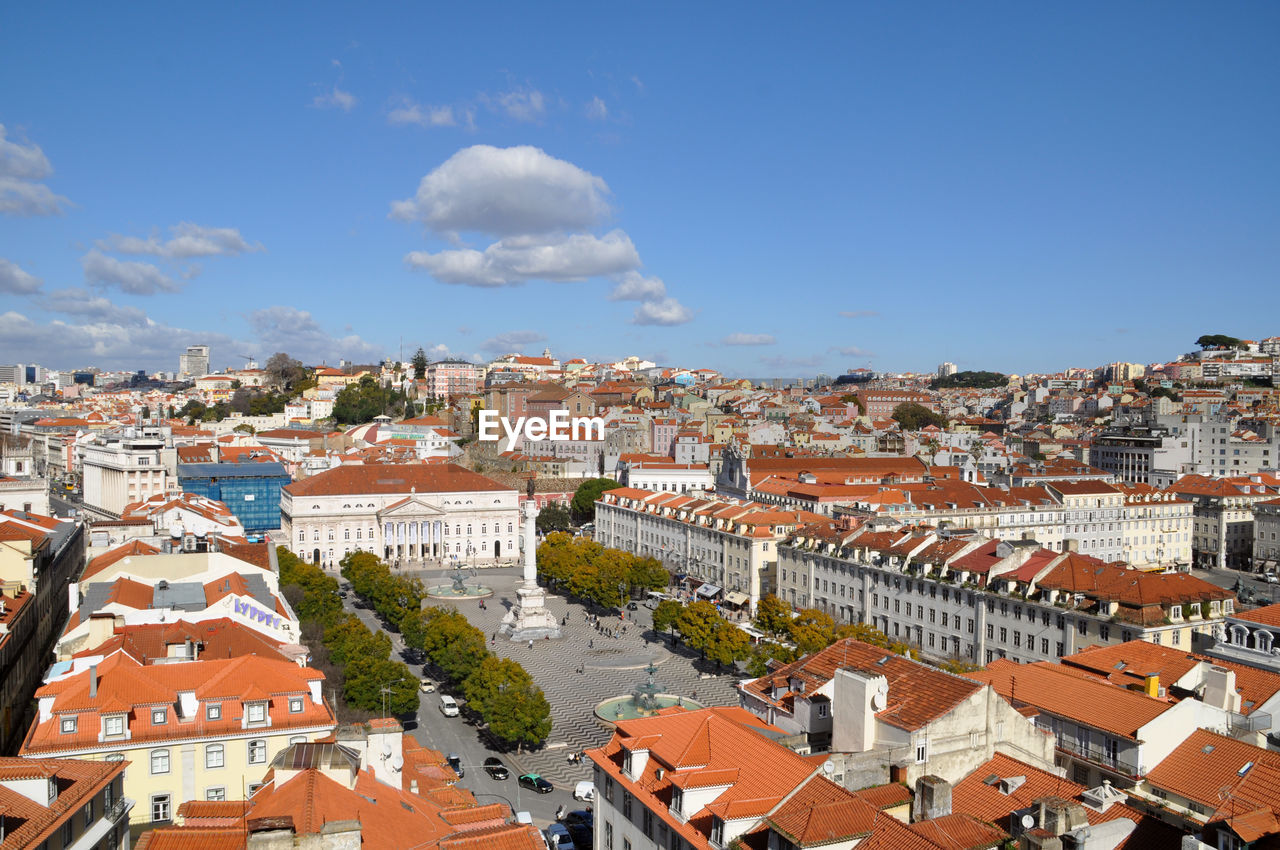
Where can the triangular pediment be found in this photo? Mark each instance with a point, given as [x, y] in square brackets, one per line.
[410, 507]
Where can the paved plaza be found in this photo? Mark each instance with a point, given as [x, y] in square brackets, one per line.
[610, 666]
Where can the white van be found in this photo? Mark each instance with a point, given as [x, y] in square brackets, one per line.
[448, 706]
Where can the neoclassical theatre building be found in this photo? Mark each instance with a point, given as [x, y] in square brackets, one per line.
[402, 512]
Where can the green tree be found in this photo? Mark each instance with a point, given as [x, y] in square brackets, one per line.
[647, 574]
[773, 616]
[864, 632]
[419, 364]
[492, 677]
[320, 602]
[727, 644]
[365, 399]
[350, 640]
[696, 623]
[766, 651]
[976, 380]
[453, 644]
[913, 417]
[583, 506]
[520, 716]
[666, 614]
[366, 680]
[553, 517]
[812, 630]
[1219, 341]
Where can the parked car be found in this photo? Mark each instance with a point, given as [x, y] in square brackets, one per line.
[428, 686]
[448, 706]
[495, 768]
[455, 762]
[558, 838]
[1271, 578]
[631, 606]
[534, 782]
[579, 817]
[585, 791]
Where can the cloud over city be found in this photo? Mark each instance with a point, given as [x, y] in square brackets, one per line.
[22, 167]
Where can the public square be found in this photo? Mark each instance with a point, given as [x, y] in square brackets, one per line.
[610, 666]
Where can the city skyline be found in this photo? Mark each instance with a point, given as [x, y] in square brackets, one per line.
[1022, 190]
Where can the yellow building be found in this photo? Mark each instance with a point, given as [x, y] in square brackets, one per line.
[191, 730]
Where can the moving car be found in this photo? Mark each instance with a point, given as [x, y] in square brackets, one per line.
[585, 791]
[1271, 578]
[558, 838]
[534, 782]
[428, 686]
[455, 762]
[495, 768]
[448, 706]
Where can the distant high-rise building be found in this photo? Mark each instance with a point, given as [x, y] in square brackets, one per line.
[195, 363]
[946, 369]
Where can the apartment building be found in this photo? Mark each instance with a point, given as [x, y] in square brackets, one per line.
[39, 558]
[120, 469]
[449, 379]
[728, 546]
[63, 804]
[190, 729]
[1223, 532]
[1266, 535]
[977, 599]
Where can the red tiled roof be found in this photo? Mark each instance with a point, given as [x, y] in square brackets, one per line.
[403, 478]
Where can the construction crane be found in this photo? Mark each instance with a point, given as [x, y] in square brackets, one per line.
[249, 362]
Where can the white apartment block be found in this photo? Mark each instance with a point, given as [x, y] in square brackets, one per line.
[730, 545]
[120, 470]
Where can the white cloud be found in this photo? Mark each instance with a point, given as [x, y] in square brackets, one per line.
[516, 259]
[748, 339]
[859, 314]
[409, 112]
[25, 162]
[21, 166]
[505, 343]
[854, 351]
[633, 286]
[16, 281]
[520, 104]
[144, 344]
[597, 110]
[188, 240]
[94, 308]
[663, 311]
[132, 277]
[295, 331]
[504, 192]
[335, 98]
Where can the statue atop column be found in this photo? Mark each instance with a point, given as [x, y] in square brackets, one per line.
[529, 618]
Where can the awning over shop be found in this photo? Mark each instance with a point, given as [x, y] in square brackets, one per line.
[708, 591]
[733, 597]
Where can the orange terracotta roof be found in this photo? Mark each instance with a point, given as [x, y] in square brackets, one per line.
[421, 478]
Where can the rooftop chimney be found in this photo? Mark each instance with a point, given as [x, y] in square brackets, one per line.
[932, 799]
[93, 681]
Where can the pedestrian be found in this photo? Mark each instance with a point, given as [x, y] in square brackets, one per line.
[591, 644]
[531, 643]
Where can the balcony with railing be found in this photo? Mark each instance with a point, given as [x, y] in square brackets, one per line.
[1099, 756]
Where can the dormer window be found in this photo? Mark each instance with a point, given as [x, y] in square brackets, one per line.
[256, 712]
[159, 716]
[295, 705]
[677, 800]
[213, 711]
[68, 725]
[113, 725]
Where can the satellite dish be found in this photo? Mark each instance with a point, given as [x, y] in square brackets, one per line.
[1028, 822]
[828, 767]
[386, 751]
[397, 763]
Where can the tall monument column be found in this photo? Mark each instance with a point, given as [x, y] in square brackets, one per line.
[529, 618]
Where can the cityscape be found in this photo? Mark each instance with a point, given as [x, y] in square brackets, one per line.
[361, 486]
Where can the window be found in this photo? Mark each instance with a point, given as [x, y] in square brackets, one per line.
[258, 751]
[113, 725]
[626, 805]
[214, 756]
[295, 705]
[216, 795]
[256, 712]
[213, 711]
[68, 725]
[68, 833]
[159, 761]
[159, 716]
[647, 821]
[88, 814]
[922, 751]
[159, 807]
[608, 836]
[1004, 635]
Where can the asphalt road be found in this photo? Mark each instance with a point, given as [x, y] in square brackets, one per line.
[1264, 593]
[457, 735]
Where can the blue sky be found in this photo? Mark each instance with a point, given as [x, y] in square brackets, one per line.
[1019, 187]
